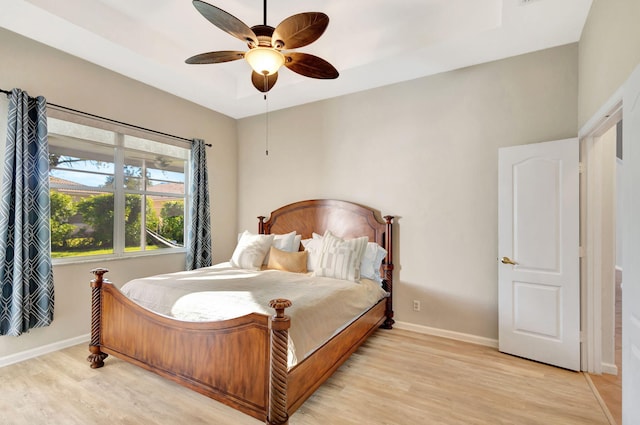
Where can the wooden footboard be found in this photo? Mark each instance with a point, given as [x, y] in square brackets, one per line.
[230, 361]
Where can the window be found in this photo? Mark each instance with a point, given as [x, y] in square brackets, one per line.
[113, 193]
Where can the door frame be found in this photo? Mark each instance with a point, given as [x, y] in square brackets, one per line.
[591, 232]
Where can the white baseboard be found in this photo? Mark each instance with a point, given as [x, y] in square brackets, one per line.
[609, 368]
[474, 339]
[45, 349]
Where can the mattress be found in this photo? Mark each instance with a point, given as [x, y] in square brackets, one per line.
[321, 306]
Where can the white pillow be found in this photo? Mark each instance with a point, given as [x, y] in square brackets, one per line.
[296, 243]
[251, 251]
[339, 258]
[281, 242]
[371, 262]
[313, 247]
[284, 242]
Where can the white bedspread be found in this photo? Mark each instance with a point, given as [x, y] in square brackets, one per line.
[320, 307]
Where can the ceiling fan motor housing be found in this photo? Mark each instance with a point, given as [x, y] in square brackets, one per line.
[264, 34]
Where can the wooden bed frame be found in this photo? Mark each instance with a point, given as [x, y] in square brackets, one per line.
[242, 362]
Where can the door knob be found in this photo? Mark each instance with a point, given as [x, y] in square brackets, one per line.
[507, 260]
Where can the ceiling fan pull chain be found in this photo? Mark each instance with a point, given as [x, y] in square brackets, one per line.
[266, 118]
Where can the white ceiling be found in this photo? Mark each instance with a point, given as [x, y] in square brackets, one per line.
[371, 42]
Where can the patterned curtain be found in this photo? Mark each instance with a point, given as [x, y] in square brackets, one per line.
[26, 276]
[199, 242]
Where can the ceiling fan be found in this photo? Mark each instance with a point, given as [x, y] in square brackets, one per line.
[268, 46]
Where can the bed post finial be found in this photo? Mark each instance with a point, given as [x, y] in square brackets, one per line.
[279, 325]
[261, 224]
[96, 358]
[388, 272]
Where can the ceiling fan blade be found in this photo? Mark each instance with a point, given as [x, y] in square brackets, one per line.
[226, 22]
[215, 57]
[310, 66]
[259, 82]
[299, 30]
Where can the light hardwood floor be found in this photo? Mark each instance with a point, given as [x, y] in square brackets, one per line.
[397, 377]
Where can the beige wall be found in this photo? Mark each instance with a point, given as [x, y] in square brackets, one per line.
[609, 50]
[426, 152]
[71, 82]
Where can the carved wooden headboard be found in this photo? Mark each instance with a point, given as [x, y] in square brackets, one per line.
[344, 219]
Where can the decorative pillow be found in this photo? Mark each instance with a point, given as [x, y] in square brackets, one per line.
[371, 262]
[283, 242]
[296, 243]
[339, 258]
[313, 247]
[251, 250]
[295, 262]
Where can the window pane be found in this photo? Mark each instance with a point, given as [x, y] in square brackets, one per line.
[162, 174]
[159, 176]
[79, 179]
[133, 174]
[163, 187]
[163, 222]
[81, 223]
[62, 129]
[171, 223]
[133, 237]
[80, 163]
[160, 149]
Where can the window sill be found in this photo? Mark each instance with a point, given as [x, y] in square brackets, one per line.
[109, 258]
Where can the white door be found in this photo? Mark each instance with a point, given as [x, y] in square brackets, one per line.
[631, 250]
[538, 248]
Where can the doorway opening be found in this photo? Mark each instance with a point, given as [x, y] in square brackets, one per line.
[602, 263]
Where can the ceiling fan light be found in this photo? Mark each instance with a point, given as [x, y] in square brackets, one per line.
[264, 60]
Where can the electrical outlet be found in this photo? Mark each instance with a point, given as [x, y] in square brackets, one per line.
[416, 305]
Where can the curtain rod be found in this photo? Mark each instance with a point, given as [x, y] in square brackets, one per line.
[137, 127]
